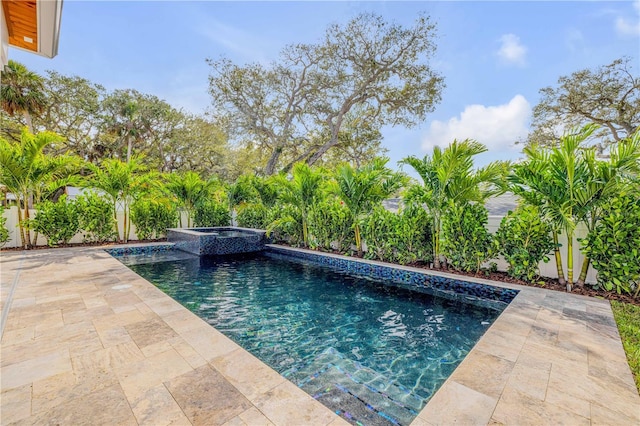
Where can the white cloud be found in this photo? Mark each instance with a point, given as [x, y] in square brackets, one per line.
[497, 127]
[234, 40]
[574, 40]
[512, 52]
[629, 27]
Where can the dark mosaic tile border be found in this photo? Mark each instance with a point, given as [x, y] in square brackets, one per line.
[448, 288]
[481, 294]
[131, 250]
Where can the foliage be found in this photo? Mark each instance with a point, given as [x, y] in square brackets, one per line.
[614, 244]
[330, 225]
[241, 191]
[302, 192]
[152, 217]
[368, 65]
[190, 190]
[402, 237]
[466, 242]
[524, 240]
[286, 225]
[210, 212]
[31, 175]
[121, 182]
[21, 92]
[448, 177]
[254, 215]
[363, 188]
[608, 96]
[4, 232]
[627, 318]
[57, 221]
[96, 217]
[556, 180]
[98, 124]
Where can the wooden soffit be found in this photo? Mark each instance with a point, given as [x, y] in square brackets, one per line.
[21, 17]
[33, 25]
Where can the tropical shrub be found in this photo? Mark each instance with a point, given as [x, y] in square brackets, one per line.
[4, 232]
[378, 230]
[57, 221]
[403, 237]
[96, 217]
[152, 217]
[524, 240]
[466, 242]
[286, 225]
[211, 213]
[363, 188]
[330, 225]
[614, 245]
[253, 215]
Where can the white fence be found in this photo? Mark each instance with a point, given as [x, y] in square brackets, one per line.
[546, 269]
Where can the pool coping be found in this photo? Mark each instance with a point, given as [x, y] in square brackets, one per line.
[550, 357]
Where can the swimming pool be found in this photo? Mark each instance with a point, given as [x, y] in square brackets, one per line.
[372, 353]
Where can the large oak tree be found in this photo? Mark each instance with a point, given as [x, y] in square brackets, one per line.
[608, 96]
[381, 67]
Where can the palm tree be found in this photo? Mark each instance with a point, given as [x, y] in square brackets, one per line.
[607, 178]
[30, 174]
[558, 181]
[302, 191]
[362, 188]
[121, 182]
[22, 92]
[190, 189]
[448, 177]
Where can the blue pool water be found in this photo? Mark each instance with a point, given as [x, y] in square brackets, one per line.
[372, 353]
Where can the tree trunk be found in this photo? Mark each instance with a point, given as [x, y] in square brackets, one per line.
[115, 217]
[23, 241]
[27, 231]
[358, 239]
[27, 119]
[569, 260]
[556, 252]
[129, 147]
[273, 161]
[583, 272]
[436, 243]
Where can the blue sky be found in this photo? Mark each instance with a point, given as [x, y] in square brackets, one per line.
[495, 56]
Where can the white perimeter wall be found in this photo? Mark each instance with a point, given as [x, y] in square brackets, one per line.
[546, 269]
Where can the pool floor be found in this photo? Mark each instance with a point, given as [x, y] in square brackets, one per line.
[372, 353]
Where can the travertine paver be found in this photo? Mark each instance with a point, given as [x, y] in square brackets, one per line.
[87, 341]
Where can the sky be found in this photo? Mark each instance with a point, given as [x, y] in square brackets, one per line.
[494, 56]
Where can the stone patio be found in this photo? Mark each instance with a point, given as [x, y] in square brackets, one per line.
[87, 341]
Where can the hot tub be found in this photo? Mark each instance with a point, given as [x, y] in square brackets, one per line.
[217, 240]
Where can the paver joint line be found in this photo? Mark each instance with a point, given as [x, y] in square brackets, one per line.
[7, 304]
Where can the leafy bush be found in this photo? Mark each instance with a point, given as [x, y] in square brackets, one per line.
[524, 240]
[4, 232]
[286, 225]
[95, 214]
[330, 223]
[253, 215]
[57, 221]
[153, 217]
[211, 213]
[403, 237]
[466, 242]
[614, 245]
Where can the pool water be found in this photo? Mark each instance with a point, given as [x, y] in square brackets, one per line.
[372, 353]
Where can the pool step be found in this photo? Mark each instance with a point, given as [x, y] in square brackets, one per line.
[357, 393]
